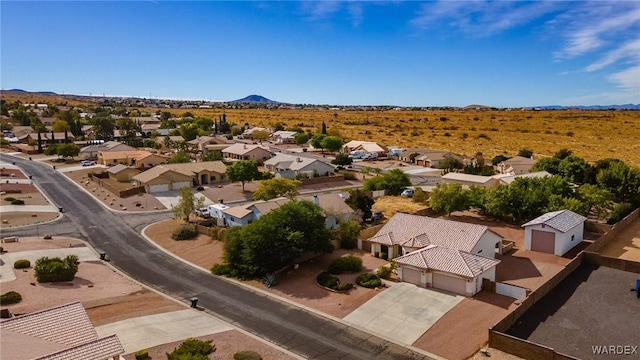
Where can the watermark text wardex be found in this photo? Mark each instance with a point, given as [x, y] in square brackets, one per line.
[614, 349]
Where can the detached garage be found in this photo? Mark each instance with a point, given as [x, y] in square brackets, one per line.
[554, 233]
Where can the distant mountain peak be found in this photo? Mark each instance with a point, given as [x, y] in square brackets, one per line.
[255, 99]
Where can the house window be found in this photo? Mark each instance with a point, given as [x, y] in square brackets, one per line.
[573, 237]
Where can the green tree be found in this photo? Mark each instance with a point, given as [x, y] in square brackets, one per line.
[56, 269]
[189, 132]
[449, 198]
[243, 171]
[212, 155]
[342, 159]
[348, 232]
[67, 150]
[394, 181]
[38, 127]
[549, 165]
[324, 128]
[331, 143]
[180, 157]
[498, 159]
[187, 204]
[276, 187]
[276, 240]
[127, 127]
[525, 152]
[360, 202]
[278, 126]
[316, 141]
[450, 164]
[103, 126]
[300, 138]
[563, 153]
[192, 349]
[59, 126]
[52, 149]
[420, 196]
[260, 136]
[557, 202]
[574, 169]
[203, 123]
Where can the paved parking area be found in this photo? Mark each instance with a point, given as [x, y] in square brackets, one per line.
[403, 312]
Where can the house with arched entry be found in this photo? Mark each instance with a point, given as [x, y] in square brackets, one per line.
[168, 177]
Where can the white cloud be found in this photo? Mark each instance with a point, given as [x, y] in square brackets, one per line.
[630, 49]
[322, 10]
[628, 81]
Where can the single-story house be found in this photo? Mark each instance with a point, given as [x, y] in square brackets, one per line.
[122, 173]
[555, 232]
[508, 179]
[167, 177]
[148, 161]
[248, 133]
[203, 142]
[443, 254]
[289, 166]
[241, 151]
[467, 180]
[283, 137]
[60, 332]
[516, 165]
[147, 129]
[117, 134]
[47, 137]
[138, 158]
[427, 157]
[90, 152]
[366, 146]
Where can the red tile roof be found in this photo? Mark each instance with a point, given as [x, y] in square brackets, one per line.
[443, 259]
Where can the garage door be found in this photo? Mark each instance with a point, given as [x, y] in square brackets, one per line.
[543, 241]
[448, 283]
[411, 276]
[158, 188]
[180, 184]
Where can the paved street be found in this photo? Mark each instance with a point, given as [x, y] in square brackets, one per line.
[300, 331]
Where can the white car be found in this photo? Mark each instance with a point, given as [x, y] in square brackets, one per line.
[87, 162]
[408, 192]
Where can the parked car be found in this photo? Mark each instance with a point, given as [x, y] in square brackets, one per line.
[87, 162]
[408, 192]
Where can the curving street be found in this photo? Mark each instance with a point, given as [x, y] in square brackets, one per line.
[293, 328]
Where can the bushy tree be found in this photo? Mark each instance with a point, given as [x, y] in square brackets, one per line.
[348, 232]
[498, 159]
[360, 202]
[300, 138]
[342, 159]
[277, 239]
[67, 150]
[393, 181]
[549, 165]
[187, 205]
[103, 126]
[260, 136]
[449, 198]
[450, 164]
[574, 169]
[212, 156]
[243, 171]
[525, 152]
[316, 141]
[56, 269]
[595, 198]
[276, 187]
[180, 157]
[331, 143]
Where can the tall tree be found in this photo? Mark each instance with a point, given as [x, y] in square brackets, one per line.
[103, 127]
[331, 143]
[394, 181]
[360, 202]
[276, 187]
[316, 141]
[449, 198]
[38, 126]
[243, 171]
[187, 205]
[324, 128]
[67, 150]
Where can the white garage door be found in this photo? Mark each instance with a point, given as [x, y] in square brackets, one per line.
[180, 184]
[158, 188]
[411, 276]
[449, 283]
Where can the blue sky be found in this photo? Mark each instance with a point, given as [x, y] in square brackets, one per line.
[406, 53]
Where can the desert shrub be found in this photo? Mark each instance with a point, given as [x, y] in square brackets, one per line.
[17, 202]
[142, 354]
[619, 212]
[247, 355]
[56, 269]
[348, 175]
[348, 263]
[21, 264]
[327, 280]
[344, 286]
[184, 232]
[9, 198]
[192, 349]
[384, 272]
[368, 280]
[221, 269]
[9, 298]
[216, 233]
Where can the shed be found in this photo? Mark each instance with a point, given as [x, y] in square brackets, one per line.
[554, 232]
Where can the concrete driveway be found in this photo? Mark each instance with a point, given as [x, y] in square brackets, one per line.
[403, 312]
[148, 331]
[171, 198]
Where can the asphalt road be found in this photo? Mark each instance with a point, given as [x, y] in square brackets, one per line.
[307, 334]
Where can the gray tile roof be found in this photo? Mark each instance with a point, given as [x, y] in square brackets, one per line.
[562, 220]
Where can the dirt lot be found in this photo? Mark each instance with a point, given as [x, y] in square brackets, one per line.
[296, 285]
[14, 219]
[593, 306]
[626, 245]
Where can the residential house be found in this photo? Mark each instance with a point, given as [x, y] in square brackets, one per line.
[508, 179]
[202, 143]
[517, 165]
[283, 137]
[138, 158]
[122, 173]
[443, 254]
[467, 180]
[118, 135]
[46, 138]
[248, 133]
[290, 166]
[174, 139]
[167, 177]
[144, 162]
[60, 332]
[555, 232]
[147, 129]
[427, 157]
[365, 146]
[239, 151]
[90, 152]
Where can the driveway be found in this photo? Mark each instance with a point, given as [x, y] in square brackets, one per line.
[148, 331]
[403, 312]
[171, 198]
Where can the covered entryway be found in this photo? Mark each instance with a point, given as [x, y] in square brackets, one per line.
[204, 179]
[180, 184]
[158, 188]
[411, 275]
[449, 283]
[543, 241]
